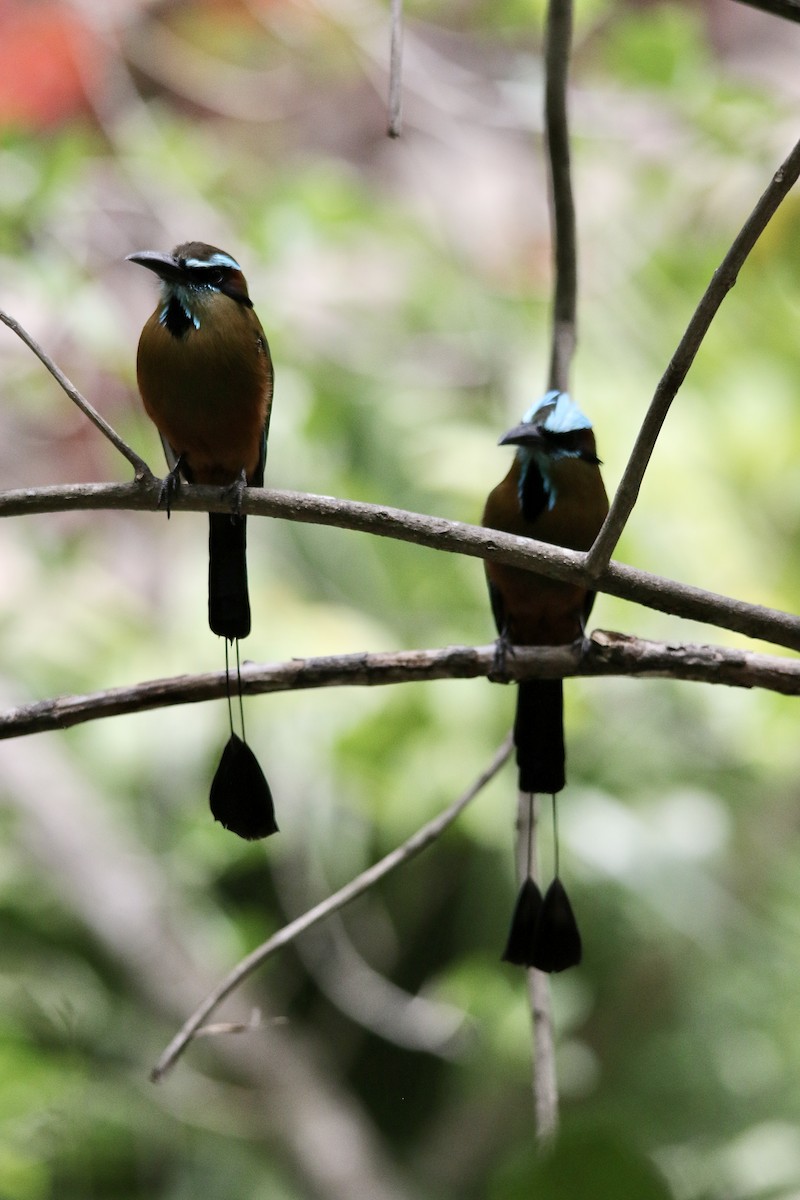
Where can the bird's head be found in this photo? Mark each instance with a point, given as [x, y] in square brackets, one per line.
[192, 275]
[552, 430]
[553, 427]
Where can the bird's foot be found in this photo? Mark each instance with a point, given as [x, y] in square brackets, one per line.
[503, 649]
[235, 493]
[170, 486]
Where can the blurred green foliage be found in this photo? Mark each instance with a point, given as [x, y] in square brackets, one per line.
[404, 287]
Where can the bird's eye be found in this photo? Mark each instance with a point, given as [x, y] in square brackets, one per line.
[215, 278]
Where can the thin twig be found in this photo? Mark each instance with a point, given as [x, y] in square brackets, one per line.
[225, 1027]
[558, 45]
[413, 846]
[544, 1080]
[604, 653]
[105, 872]
[721, 283]
[454, 537]
[395, 127]
[558, 40]
[141, 469]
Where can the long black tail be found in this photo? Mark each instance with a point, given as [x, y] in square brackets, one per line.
[539, 736]
[228, 601]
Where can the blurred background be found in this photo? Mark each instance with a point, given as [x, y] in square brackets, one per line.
[404, 288]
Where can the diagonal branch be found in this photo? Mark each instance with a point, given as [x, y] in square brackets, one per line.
[141, 469]
[721, 283]
[790, 9]
[414, 845]
[454, 537]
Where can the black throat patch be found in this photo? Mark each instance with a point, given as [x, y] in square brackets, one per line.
[176, 319]
[533, 494]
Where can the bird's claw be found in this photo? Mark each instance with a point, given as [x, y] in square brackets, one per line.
[170, 486]
[235, 492]
[503, 649]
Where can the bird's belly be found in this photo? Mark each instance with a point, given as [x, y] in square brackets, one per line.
[213, 440]
[538, 611]
[213, 419]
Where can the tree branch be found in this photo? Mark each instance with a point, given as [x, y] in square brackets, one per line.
[721, 283]
[413, 846]
[604, 653]
[455, 537]
[544, 1078]
[140, 467]
[558, 41]
[790, 9]
[395, 126]
[557, 50]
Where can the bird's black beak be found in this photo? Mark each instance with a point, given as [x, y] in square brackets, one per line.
[164, 265]
[522, 435]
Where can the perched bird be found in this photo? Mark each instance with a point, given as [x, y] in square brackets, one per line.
[205, 376]
[554, 493]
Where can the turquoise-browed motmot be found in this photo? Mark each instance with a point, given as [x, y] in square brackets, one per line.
[205, 376]
[553, 492]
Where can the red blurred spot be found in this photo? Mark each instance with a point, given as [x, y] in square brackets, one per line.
[46, 56]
